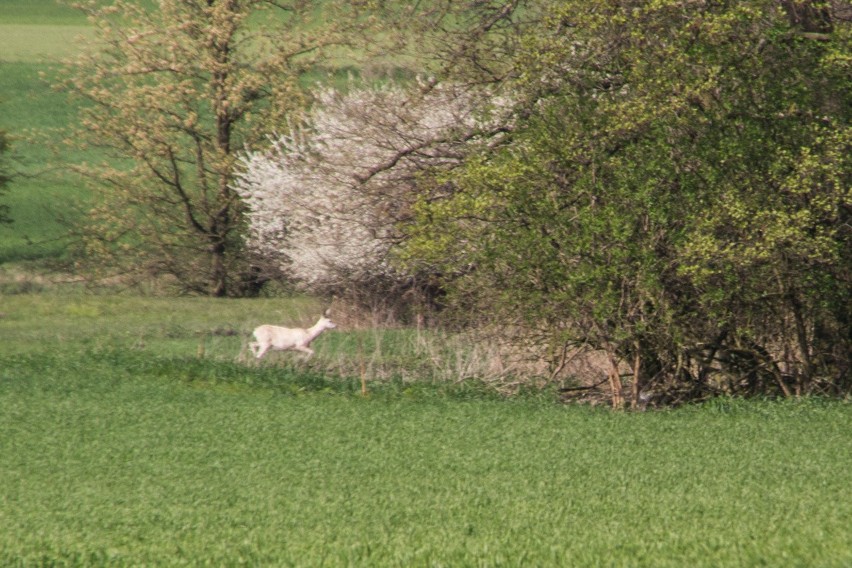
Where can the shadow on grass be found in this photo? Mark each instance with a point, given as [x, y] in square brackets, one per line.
[99, 366]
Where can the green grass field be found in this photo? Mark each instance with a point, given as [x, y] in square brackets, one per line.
[34, 36]
[120, 446]
[39, 12]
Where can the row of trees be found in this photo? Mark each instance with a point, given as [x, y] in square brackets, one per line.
[664, 183]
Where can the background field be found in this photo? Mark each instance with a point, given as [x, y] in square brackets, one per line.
[34, 36]
[121, 445]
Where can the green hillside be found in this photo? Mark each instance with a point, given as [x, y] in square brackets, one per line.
[34, 37]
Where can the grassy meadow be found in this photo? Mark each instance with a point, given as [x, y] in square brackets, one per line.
[135, 431]
[34, 36]
[124, 444]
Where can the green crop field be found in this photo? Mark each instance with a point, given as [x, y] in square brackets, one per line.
[34, 36]
[124, 444]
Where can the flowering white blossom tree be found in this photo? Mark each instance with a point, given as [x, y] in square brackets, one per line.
[325, 200]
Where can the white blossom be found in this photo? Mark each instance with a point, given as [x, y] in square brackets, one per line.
[325, 199]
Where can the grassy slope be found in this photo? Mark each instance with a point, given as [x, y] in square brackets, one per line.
[41, 195]
[120, 446]
[33, 34]
[39, 12]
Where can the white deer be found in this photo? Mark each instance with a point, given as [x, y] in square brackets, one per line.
[283, 338]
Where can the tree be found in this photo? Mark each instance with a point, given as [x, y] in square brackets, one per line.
[171, 94]
[675, 194]
[327, 200]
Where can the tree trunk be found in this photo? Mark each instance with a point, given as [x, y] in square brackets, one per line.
[615, 384]
[218, 270]
[637, 374]
[809, 16]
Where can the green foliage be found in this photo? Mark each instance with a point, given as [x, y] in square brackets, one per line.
[676, 187]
